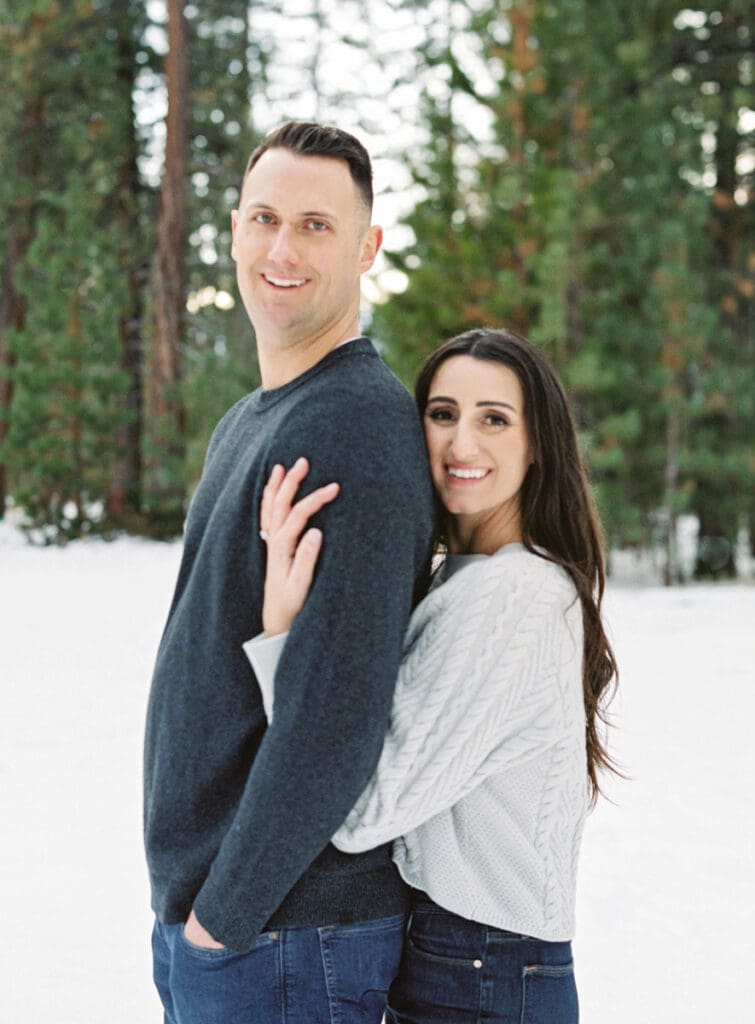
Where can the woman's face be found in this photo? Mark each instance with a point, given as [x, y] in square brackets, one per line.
[478, 444]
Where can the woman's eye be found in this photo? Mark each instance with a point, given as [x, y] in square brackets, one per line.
[440, 415]
[493, 419]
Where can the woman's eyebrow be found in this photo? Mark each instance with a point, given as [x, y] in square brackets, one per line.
[480, 404]
[503, 405]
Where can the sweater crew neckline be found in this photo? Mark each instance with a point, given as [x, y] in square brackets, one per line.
[455, 562]
[361, 346]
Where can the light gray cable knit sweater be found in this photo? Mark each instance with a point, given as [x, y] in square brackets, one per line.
[483, 774]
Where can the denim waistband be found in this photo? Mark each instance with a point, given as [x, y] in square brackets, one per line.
[474, 931]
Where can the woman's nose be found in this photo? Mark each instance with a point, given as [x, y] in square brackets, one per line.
[463, 446]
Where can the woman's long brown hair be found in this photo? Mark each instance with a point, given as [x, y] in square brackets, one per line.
[557, 507]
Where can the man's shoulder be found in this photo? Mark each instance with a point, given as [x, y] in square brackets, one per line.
[230, 419]
[356, 394]
[355, 371]
[361, 427]
[245, 405]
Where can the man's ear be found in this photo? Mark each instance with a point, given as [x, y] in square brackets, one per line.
[370, 247]
[234, 225]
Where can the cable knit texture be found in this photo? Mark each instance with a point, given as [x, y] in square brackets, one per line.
[483, 773]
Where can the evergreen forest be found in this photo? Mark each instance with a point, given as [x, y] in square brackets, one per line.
[583, 173]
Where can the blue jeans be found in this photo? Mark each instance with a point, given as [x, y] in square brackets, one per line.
[337, 974]
[456, 970]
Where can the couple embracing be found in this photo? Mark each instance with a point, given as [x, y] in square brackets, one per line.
[367, 769]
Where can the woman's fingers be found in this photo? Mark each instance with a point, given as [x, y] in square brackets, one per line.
[303, 567]
[303, 510]
[286, 536]
[280, 518]
[292, 547]
[279, 510]
[268, 497]
[279, 492]
[284, 496]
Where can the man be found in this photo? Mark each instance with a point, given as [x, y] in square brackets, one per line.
[258, 917]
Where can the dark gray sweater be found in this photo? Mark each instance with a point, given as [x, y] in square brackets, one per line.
[238, 816]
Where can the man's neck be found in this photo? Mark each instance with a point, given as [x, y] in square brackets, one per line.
[279, 366]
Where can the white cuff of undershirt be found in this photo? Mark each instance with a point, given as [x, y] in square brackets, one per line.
[264, 652]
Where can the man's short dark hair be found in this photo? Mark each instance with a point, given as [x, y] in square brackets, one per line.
[310, 139]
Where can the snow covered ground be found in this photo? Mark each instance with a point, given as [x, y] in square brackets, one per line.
[667, 882]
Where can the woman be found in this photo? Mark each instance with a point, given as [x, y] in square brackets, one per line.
[493, 752]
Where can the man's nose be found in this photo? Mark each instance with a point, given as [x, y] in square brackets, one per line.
[283, 246]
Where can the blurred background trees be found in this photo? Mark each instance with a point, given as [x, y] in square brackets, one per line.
[581, 173]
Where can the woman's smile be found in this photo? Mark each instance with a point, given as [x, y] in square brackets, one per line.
[478, 446]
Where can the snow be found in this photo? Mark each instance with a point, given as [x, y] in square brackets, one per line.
[667, 877]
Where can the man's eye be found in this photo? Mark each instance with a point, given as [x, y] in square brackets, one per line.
[317, 225]
[263, 218]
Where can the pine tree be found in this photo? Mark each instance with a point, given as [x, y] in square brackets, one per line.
[66, 413]
[581, 217]
[719, 57]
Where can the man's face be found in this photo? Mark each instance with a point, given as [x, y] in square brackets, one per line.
[301, 239]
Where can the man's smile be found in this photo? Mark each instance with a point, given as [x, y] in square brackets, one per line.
[284, 282]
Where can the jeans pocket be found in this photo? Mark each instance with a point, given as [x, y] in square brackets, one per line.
[549, 994]
[217, 986]
[203, 952]
[446, 939]
[360, 962]
[440, 978]
[418, 947]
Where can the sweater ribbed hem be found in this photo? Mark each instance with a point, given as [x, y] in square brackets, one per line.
[358, 890]
[342, 897]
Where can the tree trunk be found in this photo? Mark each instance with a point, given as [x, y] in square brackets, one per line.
[727, 227]
[166, 405]
[12, 306]
[524, 61]
[124, 499]
[671, 572]
[11, 316]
